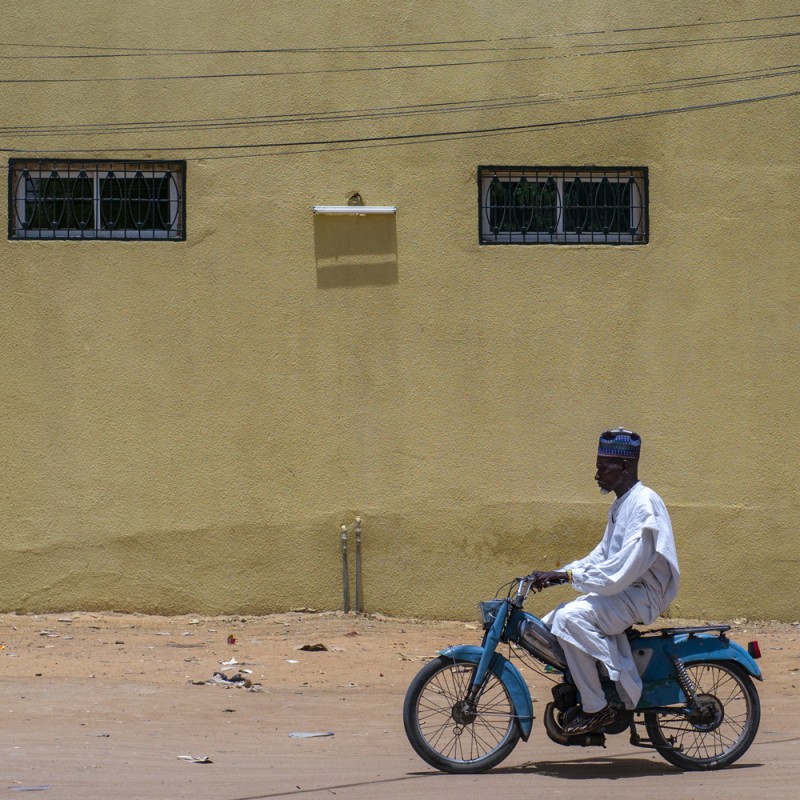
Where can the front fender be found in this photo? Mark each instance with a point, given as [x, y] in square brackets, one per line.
[510, 677]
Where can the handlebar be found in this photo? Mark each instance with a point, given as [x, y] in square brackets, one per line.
[524, 586]
[528, 582]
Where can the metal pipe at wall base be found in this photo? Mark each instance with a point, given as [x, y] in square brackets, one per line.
[359, 607]
[345, 579]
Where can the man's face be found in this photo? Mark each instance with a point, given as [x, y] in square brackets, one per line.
[610, 473]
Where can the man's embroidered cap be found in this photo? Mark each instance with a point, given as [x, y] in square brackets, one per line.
[619, 443]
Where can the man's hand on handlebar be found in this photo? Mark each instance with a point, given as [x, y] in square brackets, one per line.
[544, 580]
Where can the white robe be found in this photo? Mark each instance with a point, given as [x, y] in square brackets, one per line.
[629, 578]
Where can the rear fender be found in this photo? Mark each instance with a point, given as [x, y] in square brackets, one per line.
[725, 651]
[661, 687]
[505, 672]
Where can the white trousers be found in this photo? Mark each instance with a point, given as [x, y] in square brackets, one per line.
[591, 629]
[583, 669]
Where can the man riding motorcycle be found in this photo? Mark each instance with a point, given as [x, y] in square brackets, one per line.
[630, 578]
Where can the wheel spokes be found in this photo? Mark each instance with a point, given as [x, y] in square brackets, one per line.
[439, 713]
[720, 686]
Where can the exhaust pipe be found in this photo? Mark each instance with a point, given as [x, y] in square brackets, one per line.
[555, 732]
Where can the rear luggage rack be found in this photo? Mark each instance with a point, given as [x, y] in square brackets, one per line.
[691, 631]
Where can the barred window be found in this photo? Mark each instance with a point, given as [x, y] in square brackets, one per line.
[72, 199]
[563, 205]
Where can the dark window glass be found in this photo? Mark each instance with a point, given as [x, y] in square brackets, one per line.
[565, 205]
[101, 200]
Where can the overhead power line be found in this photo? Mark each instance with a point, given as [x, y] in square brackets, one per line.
[137, 52]
[491, 133]
[613, 50]
[402, 111]
[425, 136]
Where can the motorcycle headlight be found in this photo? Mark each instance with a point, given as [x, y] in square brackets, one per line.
[489, 610]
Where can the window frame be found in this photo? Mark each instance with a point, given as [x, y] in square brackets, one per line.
[92, 171]
[638, 227]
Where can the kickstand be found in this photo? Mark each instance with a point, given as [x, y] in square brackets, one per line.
[636, 740]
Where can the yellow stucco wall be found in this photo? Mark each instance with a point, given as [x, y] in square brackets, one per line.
[186, 425]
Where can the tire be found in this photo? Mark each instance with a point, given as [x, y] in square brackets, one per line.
[441, 733]
[725, 733]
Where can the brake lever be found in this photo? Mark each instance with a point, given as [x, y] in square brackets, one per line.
[531, 580]
[524, 588]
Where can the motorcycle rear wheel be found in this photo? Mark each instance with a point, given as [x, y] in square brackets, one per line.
[726, 731]
[449, 735]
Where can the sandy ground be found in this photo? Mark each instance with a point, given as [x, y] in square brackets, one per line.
[103, 706]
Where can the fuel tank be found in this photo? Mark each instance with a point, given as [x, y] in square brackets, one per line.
[537, 639]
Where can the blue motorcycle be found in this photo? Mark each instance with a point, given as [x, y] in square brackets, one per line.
[465, 711]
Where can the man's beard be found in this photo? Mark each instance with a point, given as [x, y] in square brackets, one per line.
[605, 491]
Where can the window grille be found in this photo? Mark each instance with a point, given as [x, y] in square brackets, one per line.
[72, 199]
[563, 205]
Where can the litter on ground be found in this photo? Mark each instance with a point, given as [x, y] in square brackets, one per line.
[238, 681]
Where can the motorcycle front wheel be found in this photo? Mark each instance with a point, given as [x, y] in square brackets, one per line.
[721, 730]
[451, 734]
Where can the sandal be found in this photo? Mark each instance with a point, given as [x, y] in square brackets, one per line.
[586, 723]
